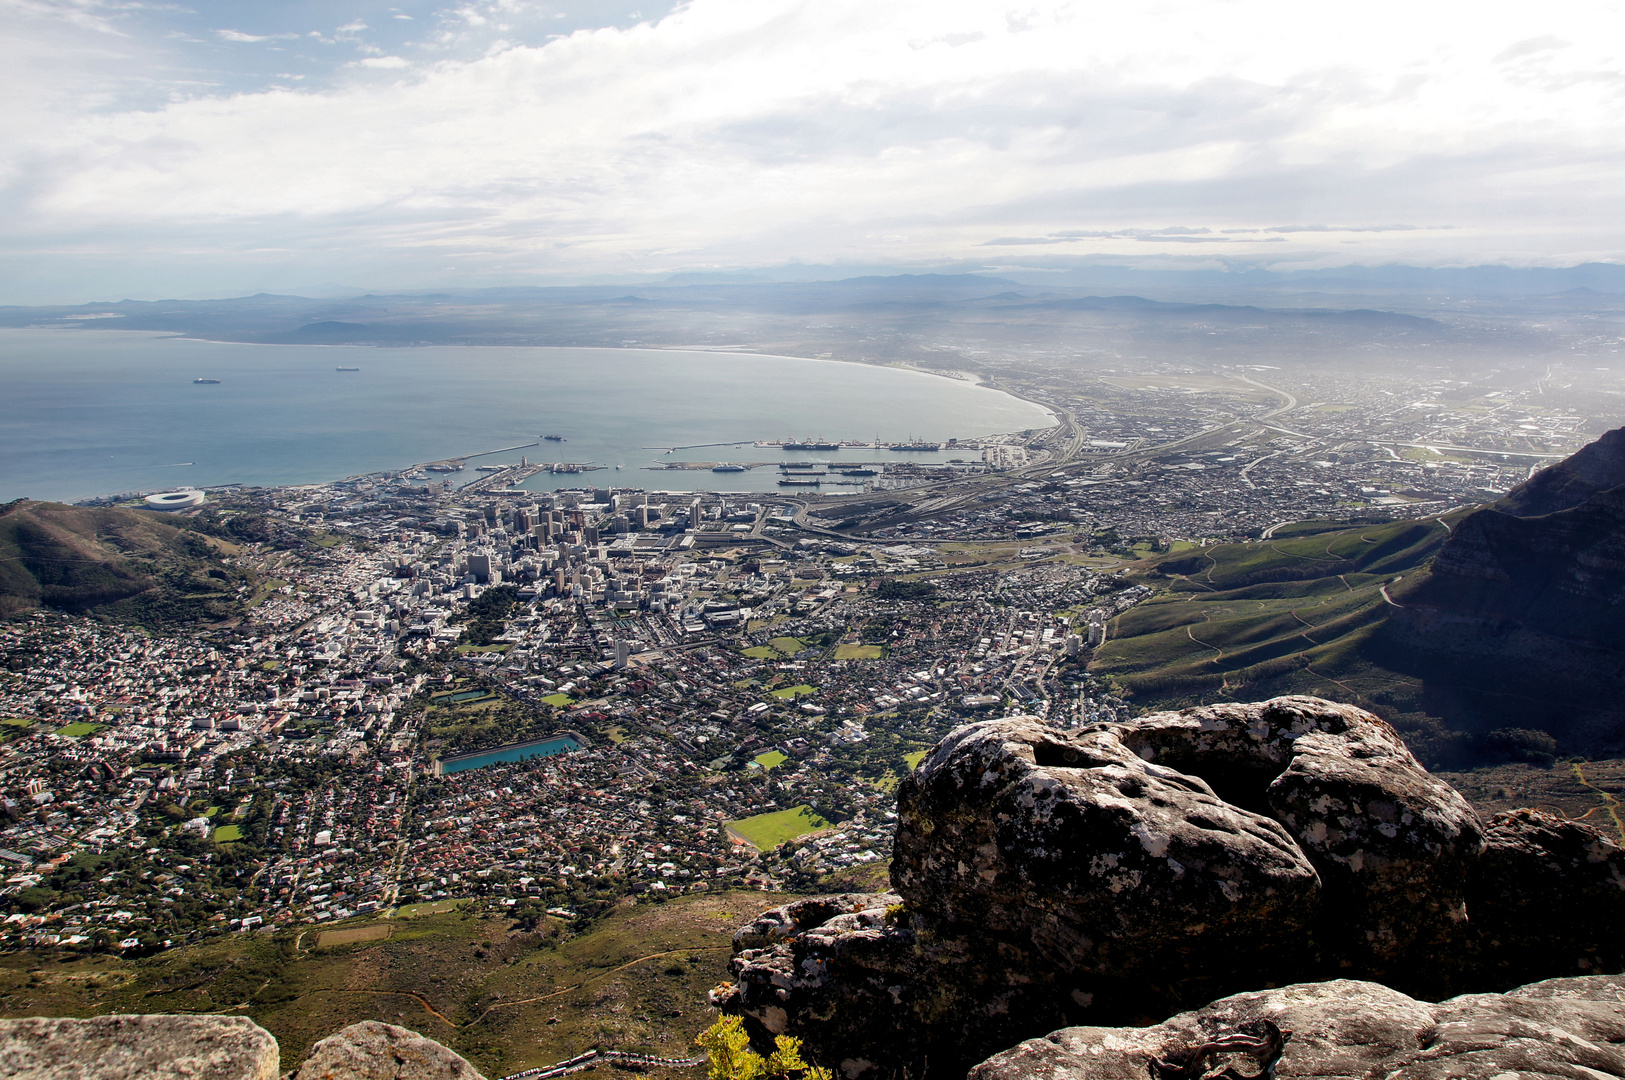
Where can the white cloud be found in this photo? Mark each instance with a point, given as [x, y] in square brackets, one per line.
[759, 131]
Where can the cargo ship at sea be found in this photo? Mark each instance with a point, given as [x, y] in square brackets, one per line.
[200, 382]
[346, 369]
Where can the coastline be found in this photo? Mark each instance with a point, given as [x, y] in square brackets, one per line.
[156, 355]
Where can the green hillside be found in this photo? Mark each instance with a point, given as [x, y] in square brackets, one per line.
[1300, 613]
[128, 565]
[506, 987]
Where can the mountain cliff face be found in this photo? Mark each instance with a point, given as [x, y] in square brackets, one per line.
[1520, 613]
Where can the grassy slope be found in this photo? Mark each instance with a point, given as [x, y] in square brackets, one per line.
[1291, 615]
[504, 999]
[131, 565]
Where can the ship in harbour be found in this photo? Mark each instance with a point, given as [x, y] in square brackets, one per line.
[916, 444]
[199, 382]
[727, 466]
[798, 482]
[554, 438]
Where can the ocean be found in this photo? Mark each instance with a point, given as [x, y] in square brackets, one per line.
[88, 413]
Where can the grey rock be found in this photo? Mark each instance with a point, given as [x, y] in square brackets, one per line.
[1546, 898]
[154, 1047]
[1568, 1028]
[869, 989]
[1105, 864]
[371, 1050]
[1124, 872]
[784, 922]
[1392, 844]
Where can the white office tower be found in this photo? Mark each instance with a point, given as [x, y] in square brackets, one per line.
[623, 652]
[694, 514]
[643, 517]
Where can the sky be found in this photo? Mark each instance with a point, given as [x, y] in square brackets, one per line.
[196, 149]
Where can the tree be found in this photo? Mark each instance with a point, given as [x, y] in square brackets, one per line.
[728, 1047]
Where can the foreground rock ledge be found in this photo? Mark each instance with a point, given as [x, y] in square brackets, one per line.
[137, 1048]
[1344, 1028]
[372, 1050]
[1122, 873]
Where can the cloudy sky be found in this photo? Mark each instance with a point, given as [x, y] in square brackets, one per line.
[210, 148]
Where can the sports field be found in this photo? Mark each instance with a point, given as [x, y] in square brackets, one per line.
[771, 759]
[765, 832]
[859, 652]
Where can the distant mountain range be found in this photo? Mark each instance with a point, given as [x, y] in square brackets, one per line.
[682, 314]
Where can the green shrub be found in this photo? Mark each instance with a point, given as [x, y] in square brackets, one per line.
[731, 1058]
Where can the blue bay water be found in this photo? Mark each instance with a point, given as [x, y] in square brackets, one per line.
[86, 413]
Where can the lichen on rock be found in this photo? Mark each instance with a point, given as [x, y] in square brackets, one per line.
[1122, 872]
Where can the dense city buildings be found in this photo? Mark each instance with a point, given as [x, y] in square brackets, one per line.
[728, 687]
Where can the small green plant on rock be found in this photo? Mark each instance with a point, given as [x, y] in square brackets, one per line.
[731, 1058]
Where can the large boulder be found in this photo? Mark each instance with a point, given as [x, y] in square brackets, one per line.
[1108, 866]
[1122, 872]
[1393, 845]
[372, 1050]
[155, 1047]
[1344, 1028]
[868, 989]
[1546, 898]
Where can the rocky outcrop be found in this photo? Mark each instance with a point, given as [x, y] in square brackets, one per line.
[137, 1048]
[161, 1047]
[1546, 899]
[372, 1050]
[1103, 863]
[1344, 1028]
[869, 987]
[1122, 872]
[1391, 843]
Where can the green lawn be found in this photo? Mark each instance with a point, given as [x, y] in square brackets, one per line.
[913, 760]
[859, 652]
[225, 834]
[16, 721]
[799, 690]
[772, 759]
[74, 731]
[789, 646]
[761, 652]
[768, 831]
[558, 701]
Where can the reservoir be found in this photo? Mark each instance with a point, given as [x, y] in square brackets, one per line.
[98, 412]
[558, 744]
